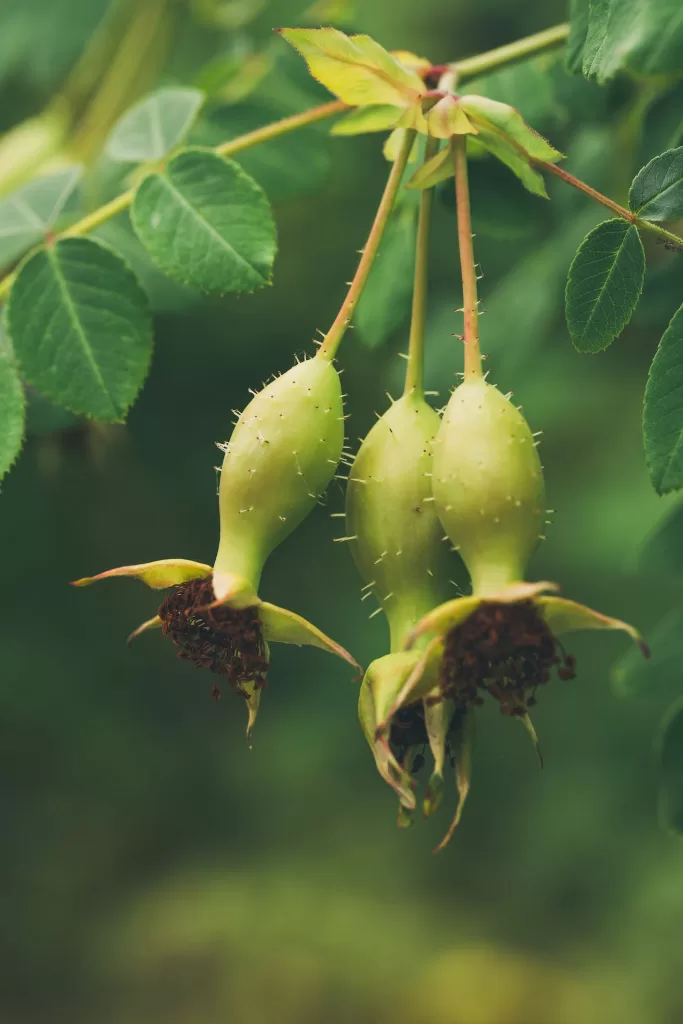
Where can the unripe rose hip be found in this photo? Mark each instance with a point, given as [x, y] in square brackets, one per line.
[390, 516]
[488, 484]
[282, 455]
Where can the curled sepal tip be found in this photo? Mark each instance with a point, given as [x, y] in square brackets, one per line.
[405, 816]
[461, 737]
[383, 680]
[563, 616]
[154, 623]
[165, 572]
[529, 726]
[285, 627]
[438, 715]
[251, 691]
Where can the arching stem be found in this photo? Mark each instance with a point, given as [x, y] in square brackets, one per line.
[468, 270]
[333, 338]
[415, 371]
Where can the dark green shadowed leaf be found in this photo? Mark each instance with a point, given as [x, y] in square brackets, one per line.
[80, 328]
[604, 285]
[11, 411]
[284, 167]
[150, 129]
[662, 551]
[663, 411]
[657, 190]
[643, 36]
[385, 303]
[578, 27]
[28, 213]
[662, 673]
[206, 223]
[670, 750]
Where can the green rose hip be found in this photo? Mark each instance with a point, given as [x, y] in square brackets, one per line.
[281, 457]
[488, 484]
[278, 463]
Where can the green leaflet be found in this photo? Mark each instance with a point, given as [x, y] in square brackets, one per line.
[12, 407]
[80, 328]
[28, 213]
[657, 190]
[604, 284]
[152, 127]
[663, 411]
[355, 68]
[642, 36]
[206, 223]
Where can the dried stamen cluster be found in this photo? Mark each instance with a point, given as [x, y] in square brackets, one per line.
[227, 641]
[506, 650]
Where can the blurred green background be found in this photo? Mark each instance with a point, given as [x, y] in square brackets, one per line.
[154, 868]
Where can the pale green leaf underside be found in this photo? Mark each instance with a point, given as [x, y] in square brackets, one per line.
[11, 411]
[28, 213]
[80, 328]
[663, 410]
[376, 118]
[604, 284]
[657, 190]
[206, 223]
[150, 129]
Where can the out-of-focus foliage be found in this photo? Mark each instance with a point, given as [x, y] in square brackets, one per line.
[155, 869]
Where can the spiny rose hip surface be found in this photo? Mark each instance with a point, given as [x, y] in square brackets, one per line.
[488, 484]
[390, 514]
[282, 455]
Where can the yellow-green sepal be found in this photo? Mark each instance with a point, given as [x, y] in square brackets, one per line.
[166, 572]
[285, 627]
[453, 613]
[461, 736]
[384, 679]
[144, 627]
[563, 616]
[447, 118]
[438, 713]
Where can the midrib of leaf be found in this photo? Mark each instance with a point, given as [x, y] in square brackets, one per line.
[73, 315]
[607, 281]
[22, 207]
[380, 72]
[209, 227]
